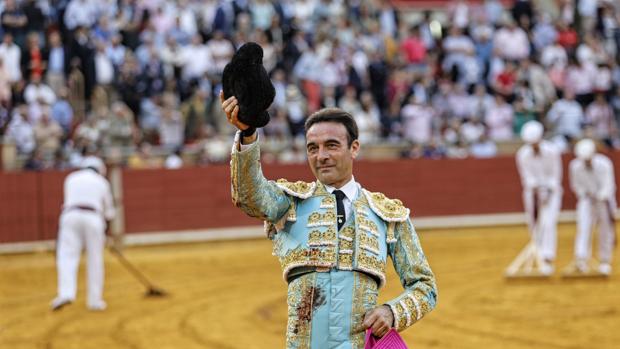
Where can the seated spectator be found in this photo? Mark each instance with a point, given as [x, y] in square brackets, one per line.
[368, 119]
[521, 116]
[48, 135]
[483, 148]
[499, 119]
[171, 127]
[174, 160]
[417, 120]
[413, 48]
[37, 91]
[600, 117]
[566, 116]
[87, 134]
[62, 112]
[511, 41]
[471, 130]
[80, 13]
[121, 130]
[567, 36]
[21, 132]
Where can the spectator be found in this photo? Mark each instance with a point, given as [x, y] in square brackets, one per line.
[296, 110]
[511, 41]
[80, 13]
[21, 132]
[470, 131]
[48, 135]
[417, 121]
[413, 48]
[566, 116]
[521, 116]
[33, 59]
[10, 54]
[87, 134]
[14, 21]
[221, 50]
[121, 131]
[499, 119]
[541, 85]
[174, 160]
[61, 111]
[38, 92]
[600, 117]
[104, 67]
[368, 119]
[5, 85]
[196, 59]
[57, 55]
[483, 148]
[171, 128]
[116, 52]
[262, 14]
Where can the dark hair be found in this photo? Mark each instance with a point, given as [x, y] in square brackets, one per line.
[334, 115]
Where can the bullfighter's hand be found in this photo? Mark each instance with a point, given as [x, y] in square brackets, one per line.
[380, 320]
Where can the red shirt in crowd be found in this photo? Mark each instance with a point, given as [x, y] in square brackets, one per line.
[414, 50]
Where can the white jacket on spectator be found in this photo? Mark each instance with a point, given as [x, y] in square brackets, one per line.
[11, 57]
[22, 133]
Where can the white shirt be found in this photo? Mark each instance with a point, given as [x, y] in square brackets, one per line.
[33, 93]
[196, 60]
[104, 70]
[597, 181]
[417, 121]
[88, 188]
[499, 120]
[11, 56]
[512, 44]
[350, 190]
[566, 115]
[541, 170]
[173, 162]
[80, 13]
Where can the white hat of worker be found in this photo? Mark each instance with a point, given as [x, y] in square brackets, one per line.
[585, 148]
[532, 132]
[95, 163]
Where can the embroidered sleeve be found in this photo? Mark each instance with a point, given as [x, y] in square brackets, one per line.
[420, 294]
[250, 190]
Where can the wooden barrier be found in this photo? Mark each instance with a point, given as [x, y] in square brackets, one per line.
[197, 198]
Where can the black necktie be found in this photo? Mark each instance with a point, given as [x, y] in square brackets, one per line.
[341, 217]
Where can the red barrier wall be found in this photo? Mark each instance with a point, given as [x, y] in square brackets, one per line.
[195, 198]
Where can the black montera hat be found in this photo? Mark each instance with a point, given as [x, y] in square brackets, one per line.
[245, 78]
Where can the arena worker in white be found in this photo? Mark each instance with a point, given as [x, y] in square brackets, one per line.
[592, 180]
[540, 168]
[87, 207]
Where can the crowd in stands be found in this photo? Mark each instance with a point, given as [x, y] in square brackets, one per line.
[141, 78]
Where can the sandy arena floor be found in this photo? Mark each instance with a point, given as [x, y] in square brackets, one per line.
[229, 295]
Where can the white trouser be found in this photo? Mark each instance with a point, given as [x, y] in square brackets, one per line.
[544, 227]
[589, 213]
[79, 229]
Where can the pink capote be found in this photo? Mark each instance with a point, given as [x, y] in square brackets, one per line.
[391, 340]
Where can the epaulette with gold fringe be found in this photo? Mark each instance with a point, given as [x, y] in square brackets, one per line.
[299, 189]
[390, 210]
